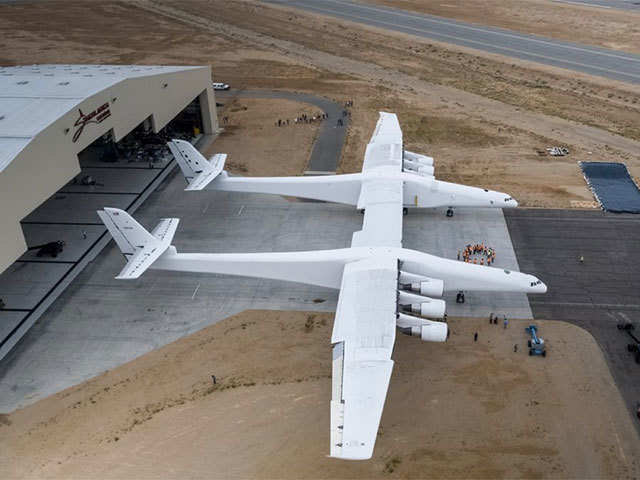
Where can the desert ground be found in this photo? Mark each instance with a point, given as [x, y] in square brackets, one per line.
[249, 132]
[486, 119]
[456, 410]
[461, 409]
[570, 21]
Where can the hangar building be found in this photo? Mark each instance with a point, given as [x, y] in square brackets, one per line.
[51, 113]
[74, 138]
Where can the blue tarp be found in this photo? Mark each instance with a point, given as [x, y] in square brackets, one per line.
[612, 186]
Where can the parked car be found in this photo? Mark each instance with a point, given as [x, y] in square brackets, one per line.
[220, 86]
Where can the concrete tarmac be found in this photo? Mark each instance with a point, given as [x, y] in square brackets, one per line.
[596, 294]
[99, 322]
[597, 61]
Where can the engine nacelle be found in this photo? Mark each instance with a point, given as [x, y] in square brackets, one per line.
[424, 306]
[431, 332]
[432, 309]
[418, 168]
[431, 287]
[417, 158]
[426, 171]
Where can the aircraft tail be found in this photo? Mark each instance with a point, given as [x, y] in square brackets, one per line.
[198, 171]
[139, 247]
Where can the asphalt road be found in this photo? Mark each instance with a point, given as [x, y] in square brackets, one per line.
[327, 148]
[615, 4]
[582, 58]
[596, 294]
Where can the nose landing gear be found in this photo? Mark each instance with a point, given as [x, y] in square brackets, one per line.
[450, 212]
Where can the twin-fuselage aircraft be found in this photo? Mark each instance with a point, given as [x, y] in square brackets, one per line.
[377, 278]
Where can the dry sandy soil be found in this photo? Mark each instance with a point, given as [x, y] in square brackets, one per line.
[462, 409]
[483, 119]
[609, 28]
[256, 146]
[454, 410]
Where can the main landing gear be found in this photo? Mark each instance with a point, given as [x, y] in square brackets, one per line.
[405, 210]
[450, 212]
[460, 297]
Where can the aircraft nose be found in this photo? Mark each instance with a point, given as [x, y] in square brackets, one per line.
[512, 202]
[541, 287]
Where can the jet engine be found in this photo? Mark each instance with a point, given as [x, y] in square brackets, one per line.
[432, 309]
[424, 306]
[417, 158]
[419, 169]
[431, 332]
[431, 287]
[427, 330]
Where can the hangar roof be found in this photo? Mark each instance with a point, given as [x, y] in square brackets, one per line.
[32, 97]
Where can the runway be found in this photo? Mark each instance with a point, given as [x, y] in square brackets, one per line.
[595, 294]
[581, 58]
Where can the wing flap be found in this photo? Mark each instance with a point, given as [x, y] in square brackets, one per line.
[363, 337]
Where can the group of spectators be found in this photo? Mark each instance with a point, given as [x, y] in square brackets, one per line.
[471, 252]
[304, 118]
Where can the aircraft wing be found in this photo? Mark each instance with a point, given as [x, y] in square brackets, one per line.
[385, 147]
[363, 338]
[381, 200]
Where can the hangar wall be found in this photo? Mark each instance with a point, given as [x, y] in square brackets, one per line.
[50, 159]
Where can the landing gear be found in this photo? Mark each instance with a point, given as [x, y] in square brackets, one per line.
[361, 211]
[450, 212]
[405, 210]
[460, 297]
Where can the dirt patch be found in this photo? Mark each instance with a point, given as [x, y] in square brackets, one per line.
[482, 119]
[455, 410]
[254, 142]
[609, 28]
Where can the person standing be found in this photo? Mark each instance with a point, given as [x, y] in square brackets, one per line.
[475, 337]
[506, 322]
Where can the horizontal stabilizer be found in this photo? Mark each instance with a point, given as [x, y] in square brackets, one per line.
[198, 171]
[139, 247]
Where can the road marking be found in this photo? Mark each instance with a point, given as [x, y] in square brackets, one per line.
[495, 31]
[195, 292]
[585, 304]
[429, 34]
[582, 3]
[241, 210]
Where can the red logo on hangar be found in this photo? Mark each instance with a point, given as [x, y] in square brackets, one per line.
[97, 116]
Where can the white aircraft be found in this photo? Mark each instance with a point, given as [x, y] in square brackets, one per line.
[382, 286]
[420, 190]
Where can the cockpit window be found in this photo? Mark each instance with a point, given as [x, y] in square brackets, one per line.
[508, 199]
[486, 190]
[537, 282]
[507, 272]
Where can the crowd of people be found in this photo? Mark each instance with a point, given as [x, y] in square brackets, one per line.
[304, 118]
[320, 116]
[477, 253]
